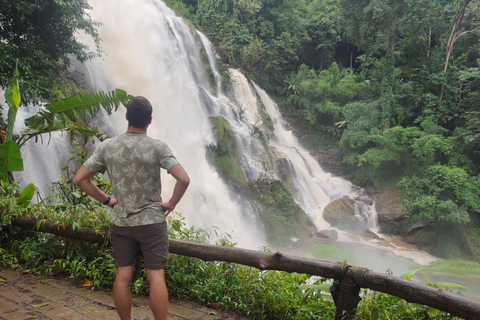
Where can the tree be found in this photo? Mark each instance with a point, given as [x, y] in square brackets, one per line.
[375, 26]
[320, 96]
[42, 36]
[324, 31]
[466, 21]
[470, 92]
[443, 194]
[386, 90]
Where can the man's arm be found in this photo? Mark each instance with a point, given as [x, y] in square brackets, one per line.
[83, 180]
[181, 186]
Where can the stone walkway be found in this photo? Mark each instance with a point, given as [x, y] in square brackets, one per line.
[30, 297]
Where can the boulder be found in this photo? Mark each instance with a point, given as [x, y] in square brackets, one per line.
[388, 206]
[366, 200]
[328, 234]
[340, 213]
[412, 228]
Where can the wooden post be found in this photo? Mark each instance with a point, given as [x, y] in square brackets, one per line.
[345, 293]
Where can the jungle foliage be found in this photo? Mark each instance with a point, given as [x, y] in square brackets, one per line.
[394, 85]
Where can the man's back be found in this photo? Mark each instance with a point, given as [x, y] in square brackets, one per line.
[133, 163]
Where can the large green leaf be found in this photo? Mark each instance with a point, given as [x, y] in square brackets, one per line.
[26, 195]
[73, 113]
[74, 130]
[446, 285]
[409, 275]
[78, 108]
[12, 96]
[10, 159]
[319, 287]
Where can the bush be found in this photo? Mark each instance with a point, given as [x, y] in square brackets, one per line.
[442, 195]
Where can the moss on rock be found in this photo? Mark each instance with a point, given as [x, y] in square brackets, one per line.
[280, 215]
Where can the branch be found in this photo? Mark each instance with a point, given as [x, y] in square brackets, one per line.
[472, 9]
[85, 234]
[466, 32]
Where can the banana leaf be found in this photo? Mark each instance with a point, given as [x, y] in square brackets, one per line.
[10, 159]
[12, 97]
[78, 108]
[72, 114]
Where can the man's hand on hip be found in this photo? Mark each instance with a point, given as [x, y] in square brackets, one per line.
[113, 203]
[167, 207]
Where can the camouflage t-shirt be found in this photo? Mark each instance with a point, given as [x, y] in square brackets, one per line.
[133, 163]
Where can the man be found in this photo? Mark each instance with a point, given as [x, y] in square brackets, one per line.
[133, 161]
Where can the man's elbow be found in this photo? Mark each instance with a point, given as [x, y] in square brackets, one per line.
[180, 175]
[83, 176]
[185, 181]
[77, 181]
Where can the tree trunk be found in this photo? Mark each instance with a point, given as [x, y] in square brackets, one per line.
[452, 37]
[405, 289]
[85, 234]
[387, 84]
[351, 57]
[429, 42]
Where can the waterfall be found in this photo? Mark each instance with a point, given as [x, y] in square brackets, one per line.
[314, 188]
[149, 51]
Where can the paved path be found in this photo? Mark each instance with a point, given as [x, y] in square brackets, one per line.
[29, 297]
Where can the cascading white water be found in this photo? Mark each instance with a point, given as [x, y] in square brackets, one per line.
[149, 51]
[314, 187]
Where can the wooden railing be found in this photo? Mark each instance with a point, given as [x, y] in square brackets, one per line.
[345, 290]
[349, 279]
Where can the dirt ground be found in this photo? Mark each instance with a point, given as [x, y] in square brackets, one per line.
[30, 297]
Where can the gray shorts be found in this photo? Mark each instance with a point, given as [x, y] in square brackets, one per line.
[151, 240]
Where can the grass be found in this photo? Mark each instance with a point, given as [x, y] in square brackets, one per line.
[332, 252]
[459, 267]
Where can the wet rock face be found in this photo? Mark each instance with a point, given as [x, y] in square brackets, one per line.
[341, 213]
[78, 72]
[331, 234]
[388, 206]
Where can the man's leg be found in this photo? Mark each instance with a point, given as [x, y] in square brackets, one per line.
[158, 294]
[121, 292]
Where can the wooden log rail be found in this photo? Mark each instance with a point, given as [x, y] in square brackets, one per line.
[348, 277]
[345, 290]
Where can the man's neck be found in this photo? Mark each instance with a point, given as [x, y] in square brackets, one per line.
[134, 130]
